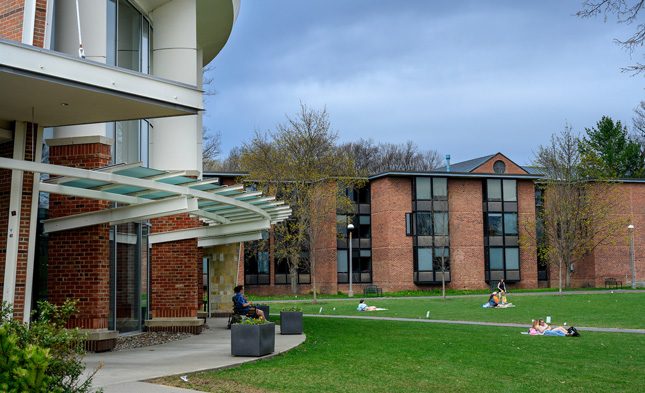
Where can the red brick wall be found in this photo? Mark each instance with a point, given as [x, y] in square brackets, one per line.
[11, 18]
[466, 230]
[39, 23]
[79, 259]
[176, 283]
[511, 167]
[612, 258]
[392, 259]
[6, 151]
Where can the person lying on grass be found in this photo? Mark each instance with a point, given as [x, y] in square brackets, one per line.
[364, 307]
[543, 328]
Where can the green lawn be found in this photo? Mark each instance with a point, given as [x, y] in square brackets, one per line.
[349, 355]
[617, 310]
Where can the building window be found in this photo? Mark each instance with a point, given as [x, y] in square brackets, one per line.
[431, 188]
[428, 224]
[428, 262]
[501, 239]
[129, 46]
[256, 261]
[361, 266]
[501, 190]
[499, 166]
[361, 219]
[283, 274]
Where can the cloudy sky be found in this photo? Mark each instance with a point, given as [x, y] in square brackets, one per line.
[465, 78]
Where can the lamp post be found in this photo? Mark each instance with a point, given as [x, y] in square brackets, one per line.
[350, 228]
[631, 252]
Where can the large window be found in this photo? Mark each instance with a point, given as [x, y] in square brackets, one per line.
[501, 230]
[428, 224]
[283, 274]
[431, 188]
[428, 264]
[501, 190]
[361, 266]
[129, 45]
[359, 216]
[256, 261]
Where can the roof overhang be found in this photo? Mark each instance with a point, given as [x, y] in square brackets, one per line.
[215, 21]
[228, 213]
[55, 89]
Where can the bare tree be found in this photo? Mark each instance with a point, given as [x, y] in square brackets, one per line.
[383, 157]
[579, 213]
[301, 163]
[626, 12]
[211, 149]
[638, 121]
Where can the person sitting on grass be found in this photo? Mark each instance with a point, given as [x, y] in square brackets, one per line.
[547, 330]
[493, 302]
[243, 305]
[364, 307]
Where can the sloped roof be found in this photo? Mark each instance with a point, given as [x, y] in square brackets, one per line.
[467, 166]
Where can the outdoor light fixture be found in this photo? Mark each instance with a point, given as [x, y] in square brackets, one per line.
[631, 251]
[350, 228]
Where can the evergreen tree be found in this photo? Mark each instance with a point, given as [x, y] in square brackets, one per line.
[609, 151]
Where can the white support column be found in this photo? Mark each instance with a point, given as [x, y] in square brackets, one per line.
[33, 223]
[13, 230]
[174, 141]
[28, 22]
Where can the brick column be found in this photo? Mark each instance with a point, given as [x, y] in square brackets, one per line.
[176, 282]
[79, 259]
[392, 259]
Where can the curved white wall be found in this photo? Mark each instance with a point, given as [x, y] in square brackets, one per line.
[173, 140]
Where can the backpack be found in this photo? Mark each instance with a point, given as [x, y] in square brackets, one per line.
[573, 332]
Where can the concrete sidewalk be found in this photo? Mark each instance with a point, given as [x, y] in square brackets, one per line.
[125, 371]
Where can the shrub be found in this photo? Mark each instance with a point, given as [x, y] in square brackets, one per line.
[292, 308]
[54, 353]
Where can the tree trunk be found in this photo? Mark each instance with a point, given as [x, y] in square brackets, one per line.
[312, 271]
[560, 278]
[443, 277]
[293, 274]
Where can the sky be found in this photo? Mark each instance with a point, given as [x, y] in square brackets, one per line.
[465, 78]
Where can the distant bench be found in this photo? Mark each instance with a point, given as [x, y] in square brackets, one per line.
[612, 282]
[372, 289]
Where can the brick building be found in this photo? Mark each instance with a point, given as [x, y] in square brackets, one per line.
[472, 213]
[100, 164]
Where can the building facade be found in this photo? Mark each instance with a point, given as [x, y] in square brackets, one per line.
[468, 217]
[100, 164]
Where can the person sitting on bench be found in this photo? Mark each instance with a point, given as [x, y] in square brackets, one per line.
[242, 305]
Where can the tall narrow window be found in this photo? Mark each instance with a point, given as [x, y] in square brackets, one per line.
[428, 224]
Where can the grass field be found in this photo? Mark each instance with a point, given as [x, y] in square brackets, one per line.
[349, 355]
[608, 310]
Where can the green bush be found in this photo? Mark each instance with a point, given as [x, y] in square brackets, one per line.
[42, 355]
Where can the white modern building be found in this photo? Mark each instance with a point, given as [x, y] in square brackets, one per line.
[100, 164]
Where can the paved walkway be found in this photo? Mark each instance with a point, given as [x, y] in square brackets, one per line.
[124, 371]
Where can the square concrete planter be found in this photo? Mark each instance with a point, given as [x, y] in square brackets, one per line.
[252, 340]
[290, 322]
[265, 310]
